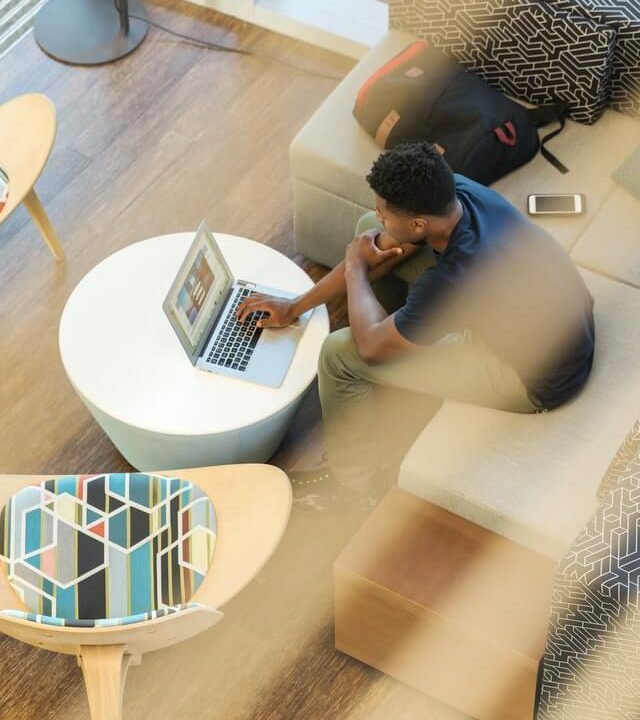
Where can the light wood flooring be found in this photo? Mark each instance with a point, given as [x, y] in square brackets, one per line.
[151, 145]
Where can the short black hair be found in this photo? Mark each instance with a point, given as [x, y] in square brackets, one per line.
[415, 178]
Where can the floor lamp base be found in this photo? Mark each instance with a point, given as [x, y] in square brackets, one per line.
[87, 32]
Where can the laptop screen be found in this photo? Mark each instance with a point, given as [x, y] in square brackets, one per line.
[198, 292]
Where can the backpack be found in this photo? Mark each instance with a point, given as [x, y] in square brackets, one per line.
[423, 94]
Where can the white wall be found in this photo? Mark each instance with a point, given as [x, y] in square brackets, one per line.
[348, 27]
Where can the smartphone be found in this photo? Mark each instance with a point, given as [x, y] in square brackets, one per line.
[562, 204]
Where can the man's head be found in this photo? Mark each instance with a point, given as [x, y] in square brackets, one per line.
[414, 189]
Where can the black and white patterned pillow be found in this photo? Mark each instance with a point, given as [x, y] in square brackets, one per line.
[624, 17]
[534, 51]
[591, 667]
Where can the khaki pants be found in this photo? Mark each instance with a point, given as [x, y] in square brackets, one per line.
[456, 367]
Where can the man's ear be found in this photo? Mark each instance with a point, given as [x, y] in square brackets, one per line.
[420, 225]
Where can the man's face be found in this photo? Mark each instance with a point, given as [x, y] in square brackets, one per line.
[405, 228]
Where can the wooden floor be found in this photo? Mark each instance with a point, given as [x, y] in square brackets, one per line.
[151, 145]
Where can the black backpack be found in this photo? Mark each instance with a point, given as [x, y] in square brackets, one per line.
[423, 94]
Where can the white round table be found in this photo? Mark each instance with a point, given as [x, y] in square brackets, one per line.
[128, 367]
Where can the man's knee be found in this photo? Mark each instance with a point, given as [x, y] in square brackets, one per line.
[338, 352]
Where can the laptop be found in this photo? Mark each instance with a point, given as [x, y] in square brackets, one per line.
[201, 306]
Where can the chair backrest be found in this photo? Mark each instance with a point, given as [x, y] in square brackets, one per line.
[88, 547]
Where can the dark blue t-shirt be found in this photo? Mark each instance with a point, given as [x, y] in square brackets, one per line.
[515, 288]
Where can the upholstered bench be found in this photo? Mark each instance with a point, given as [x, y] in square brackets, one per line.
[531, 479]
[477, 480]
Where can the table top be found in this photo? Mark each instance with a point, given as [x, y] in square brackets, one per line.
[27, 132]
[122, 355]
[252, 503]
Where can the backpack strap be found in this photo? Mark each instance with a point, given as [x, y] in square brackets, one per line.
[543, 115]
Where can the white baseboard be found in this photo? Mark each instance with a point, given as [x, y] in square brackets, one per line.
[347, 27]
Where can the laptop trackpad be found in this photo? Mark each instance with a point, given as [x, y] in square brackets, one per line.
[282, 341]
[273, 355]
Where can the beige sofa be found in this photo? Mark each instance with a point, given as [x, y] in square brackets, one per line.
[528, 481]
[530, 478]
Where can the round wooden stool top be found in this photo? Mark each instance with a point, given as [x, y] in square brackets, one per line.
[27, 132]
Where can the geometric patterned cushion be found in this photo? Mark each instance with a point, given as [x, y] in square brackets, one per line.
[109, 622]
[591, 663]
[4, 188]
[624, 17]
[534, 51]
[106, 547]
[625, 463]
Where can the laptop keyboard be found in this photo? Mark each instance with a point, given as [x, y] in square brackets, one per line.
[236, 341]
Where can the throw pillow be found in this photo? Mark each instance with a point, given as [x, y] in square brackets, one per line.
[624, 17]
[534, 51]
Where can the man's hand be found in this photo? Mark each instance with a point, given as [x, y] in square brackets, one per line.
[281, 311]
[364, 251]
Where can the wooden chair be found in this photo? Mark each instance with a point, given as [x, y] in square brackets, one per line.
[252, 505]
[27, 131]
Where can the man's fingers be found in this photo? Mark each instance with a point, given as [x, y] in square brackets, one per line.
[267, 321]
[391, 252]
[251, 307]
[242, 309]
[251, 300]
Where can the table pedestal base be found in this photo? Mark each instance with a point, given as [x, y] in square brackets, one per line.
[148, 451]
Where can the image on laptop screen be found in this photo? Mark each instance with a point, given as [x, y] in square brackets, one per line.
[198, 290]
[193, 293]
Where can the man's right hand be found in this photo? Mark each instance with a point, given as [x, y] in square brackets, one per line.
[281, 311]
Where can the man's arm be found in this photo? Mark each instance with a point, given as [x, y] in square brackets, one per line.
[333, 285]
[374, 331]
[330, 287]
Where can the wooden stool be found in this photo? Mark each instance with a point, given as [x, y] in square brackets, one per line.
[27, 132]
[445, 606]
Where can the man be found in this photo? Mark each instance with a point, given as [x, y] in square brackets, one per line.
[496, 313]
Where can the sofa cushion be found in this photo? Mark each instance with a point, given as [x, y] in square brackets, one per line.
[332, 151]
[624, 17]
[534, 478]
[534, 51]
[611, 244]
[592, 153]
[338, 162]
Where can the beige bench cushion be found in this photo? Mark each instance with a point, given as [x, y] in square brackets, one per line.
[332, 152]
[611, 244]
[591, 153]
[533, 478]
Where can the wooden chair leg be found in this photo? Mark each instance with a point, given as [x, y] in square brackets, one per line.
[40, 218]
[105, 670]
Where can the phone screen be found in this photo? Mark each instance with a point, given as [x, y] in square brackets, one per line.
[555, 203]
